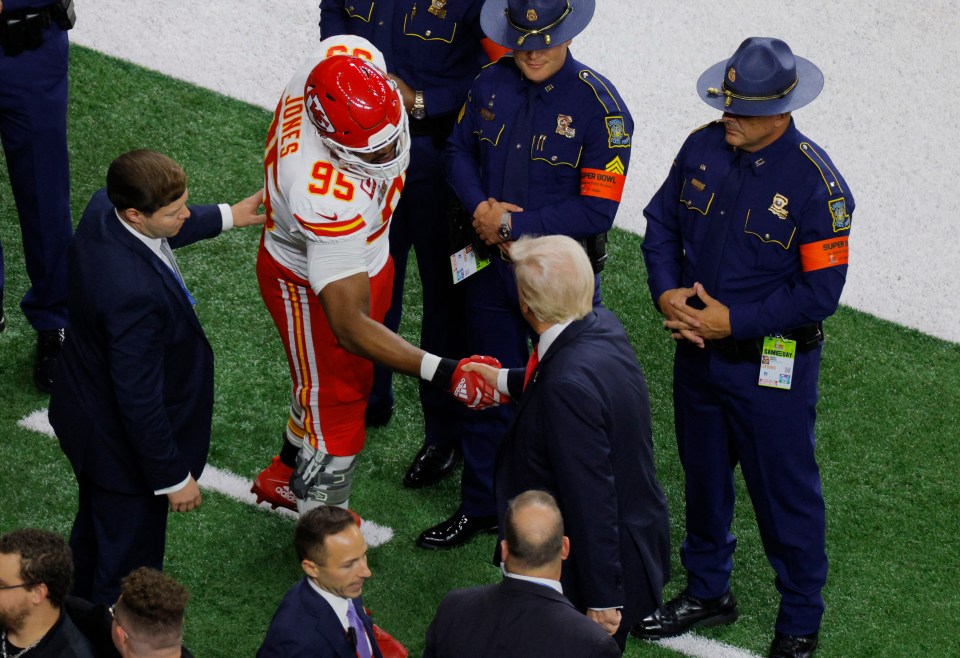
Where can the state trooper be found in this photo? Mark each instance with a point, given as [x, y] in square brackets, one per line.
[746, 251]
[541, 147]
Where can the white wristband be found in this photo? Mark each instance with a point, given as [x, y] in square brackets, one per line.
[428, 366]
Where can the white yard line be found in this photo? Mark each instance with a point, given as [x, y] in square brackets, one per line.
[238, 488]
[702, 647]
[224, 482]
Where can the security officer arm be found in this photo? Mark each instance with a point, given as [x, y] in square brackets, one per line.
[492, 220]
[663, 255]
[333, 18]
[602, 173]
[696, 325]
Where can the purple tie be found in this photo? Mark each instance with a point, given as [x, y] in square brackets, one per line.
[363, 646]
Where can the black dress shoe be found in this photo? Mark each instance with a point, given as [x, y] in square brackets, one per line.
[378, 414]
[456, 531]
[685, 612]
[432, 464]
[793, 646]
[49, 343]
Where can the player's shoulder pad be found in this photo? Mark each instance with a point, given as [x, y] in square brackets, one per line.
[823, 165]
[603, 90]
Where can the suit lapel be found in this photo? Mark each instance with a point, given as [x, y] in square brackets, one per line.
[566, 336]
[327, 621]
[169, 279]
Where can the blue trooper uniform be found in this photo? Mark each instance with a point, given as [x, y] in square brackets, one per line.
[437, 52]
[33, 129]
[559, 149]
[767, 235]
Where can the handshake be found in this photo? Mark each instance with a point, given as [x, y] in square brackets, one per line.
[474, 382]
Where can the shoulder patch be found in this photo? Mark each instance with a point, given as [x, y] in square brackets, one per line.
[839, 214]
[617, 135]
[604, 93]
[706, 125]
[830, 178]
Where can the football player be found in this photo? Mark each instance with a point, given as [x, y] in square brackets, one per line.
[335, 162]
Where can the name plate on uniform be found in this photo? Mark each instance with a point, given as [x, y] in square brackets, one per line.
[776, 362]
[466, 263]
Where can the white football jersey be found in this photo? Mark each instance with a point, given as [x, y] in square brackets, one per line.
[322, 224]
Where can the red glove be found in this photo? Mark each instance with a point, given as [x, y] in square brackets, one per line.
[470, 387]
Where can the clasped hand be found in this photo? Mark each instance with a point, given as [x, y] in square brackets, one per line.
[472, 388]
[694, 325]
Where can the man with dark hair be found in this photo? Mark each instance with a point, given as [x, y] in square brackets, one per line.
[525, 614]
[36, 572]
[322, 616]
[148, 617]
[133, 396]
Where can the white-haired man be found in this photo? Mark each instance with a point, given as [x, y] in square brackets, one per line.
[582, 433]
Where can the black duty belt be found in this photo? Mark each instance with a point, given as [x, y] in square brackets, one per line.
[22, 29]
[808, 337]
[594, 245]
[437, 128]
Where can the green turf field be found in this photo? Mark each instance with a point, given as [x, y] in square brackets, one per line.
[889, 413]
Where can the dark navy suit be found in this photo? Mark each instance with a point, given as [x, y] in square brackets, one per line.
[514, 618]
[767, 234]
[33, 128]
[439, 56]
[132, 400]
[305, 626]
[582, 432]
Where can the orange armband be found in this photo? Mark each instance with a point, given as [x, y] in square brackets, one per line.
[826, 253]
[603, 184]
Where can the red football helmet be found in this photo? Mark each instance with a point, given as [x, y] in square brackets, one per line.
[359, 115]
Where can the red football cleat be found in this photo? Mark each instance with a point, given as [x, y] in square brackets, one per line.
[273, 486]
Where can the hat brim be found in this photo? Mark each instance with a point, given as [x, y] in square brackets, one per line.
[493, 20]
[809, 85]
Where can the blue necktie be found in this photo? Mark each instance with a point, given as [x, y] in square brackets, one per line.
[517, 166]
[172, 263]
[715, 238]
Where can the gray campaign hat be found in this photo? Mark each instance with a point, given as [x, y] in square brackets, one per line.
[762, 78]
[534, 24]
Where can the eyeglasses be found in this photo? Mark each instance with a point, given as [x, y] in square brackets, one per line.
[31, 584]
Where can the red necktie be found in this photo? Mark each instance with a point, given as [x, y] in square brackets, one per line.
[531, 367]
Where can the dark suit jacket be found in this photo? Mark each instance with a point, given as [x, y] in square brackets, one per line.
[132, 396]
[305, 626]
[514, 618]
[582, 432]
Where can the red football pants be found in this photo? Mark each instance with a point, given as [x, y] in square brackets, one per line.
[330, 385]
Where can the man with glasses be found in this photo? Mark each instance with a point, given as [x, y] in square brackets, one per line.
[36, 572]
